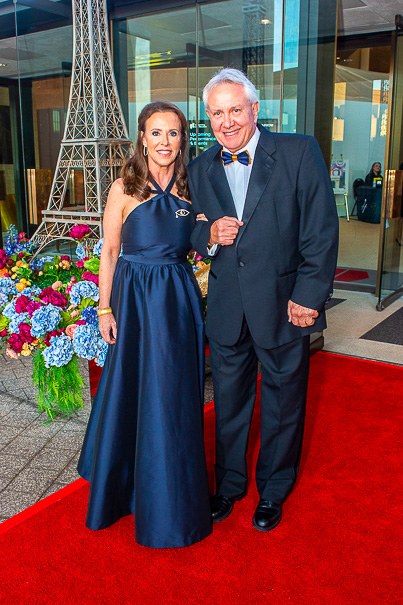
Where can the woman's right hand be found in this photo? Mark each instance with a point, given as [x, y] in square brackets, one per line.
[107, 327]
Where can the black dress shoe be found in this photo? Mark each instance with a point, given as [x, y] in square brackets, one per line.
[267, 515]
[221, 506]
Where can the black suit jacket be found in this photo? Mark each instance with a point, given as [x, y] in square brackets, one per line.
[286, 248]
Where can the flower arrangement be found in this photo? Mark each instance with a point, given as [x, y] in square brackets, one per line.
[48, 311]
[201, 268]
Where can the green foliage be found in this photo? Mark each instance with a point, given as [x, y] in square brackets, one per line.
[67, 320]
[60, 389]
[86, 302]
[92, 265]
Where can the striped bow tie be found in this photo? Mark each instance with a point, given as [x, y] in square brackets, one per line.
[228, 158]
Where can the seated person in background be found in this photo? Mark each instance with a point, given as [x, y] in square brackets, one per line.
[374, 177]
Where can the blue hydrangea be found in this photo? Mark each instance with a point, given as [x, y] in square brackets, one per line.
[86, 341]
[7, 286]
[102, 351]
[9, 310]
[3, 299]
[84, 289]
[31, 291]
[59, 352]
[38, 263]
[89, 314]
[80, 252]
[98, 247]
[16, 321]
[45, 320]
[47, 259]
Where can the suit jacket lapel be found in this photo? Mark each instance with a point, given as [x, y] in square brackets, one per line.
[262, 169]
[219, 182]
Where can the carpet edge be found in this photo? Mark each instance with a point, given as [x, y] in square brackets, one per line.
[41, 505]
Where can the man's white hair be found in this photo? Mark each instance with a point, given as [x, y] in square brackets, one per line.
[230, 76]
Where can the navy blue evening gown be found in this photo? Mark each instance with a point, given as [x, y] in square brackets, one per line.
[143, 451]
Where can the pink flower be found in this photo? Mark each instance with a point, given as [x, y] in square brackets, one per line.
[73, 279]
[21, 235]
[80, 322]
[32, 306]
[25, 332]
[90, 277]
[79, 232]
[56, 285]
[21, 303]
[80, 264]
[3, 259]
[71, 329]
[66, 257]
[48, 295]
[11, 353]
[15, 343]
[3, 333]
[198, 257]
[74, 314]
[20, 254]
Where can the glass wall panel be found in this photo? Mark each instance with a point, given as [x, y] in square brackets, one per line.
[45, 60]
[248, 36]
[359, 137]
[156, 54]
[390, 272]
[9, 134]
[172, 55]
[291, 55]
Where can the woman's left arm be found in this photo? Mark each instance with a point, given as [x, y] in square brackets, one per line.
[112, 225]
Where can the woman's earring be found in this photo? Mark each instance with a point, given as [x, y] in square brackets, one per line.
[145, 150]
[180, 151]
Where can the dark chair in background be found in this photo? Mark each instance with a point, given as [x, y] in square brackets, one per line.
[369, 202]
[356, 184]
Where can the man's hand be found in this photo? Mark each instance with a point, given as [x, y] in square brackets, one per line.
[224, 231]
[301, 316]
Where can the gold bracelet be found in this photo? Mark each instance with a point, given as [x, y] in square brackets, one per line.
[105, 311]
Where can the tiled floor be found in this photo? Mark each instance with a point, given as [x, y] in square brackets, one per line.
[37, 459]
[351, 319]
[359, 244]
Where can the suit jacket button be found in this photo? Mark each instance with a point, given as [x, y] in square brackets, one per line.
[241, 263]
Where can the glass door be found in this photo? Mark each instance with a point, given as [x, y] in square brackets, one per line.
[390, 267]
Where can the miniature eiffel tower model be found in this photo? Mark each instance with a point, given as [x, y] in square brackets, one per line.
[95, 138]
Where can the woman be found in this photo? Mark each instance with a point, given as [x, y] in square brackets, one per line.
[374, 177]
[144, 451]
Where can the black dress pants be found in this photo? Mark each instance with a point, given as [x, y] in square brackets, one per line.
[283, 397]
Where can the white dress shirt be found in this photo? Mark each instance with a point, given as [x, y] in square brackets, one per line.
[238, 174]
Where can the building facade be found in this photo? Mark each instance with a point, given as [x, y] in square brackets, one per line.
[320, 67]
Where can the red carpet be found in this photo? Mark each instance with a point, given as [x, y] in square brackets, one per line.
[350, 275]
[338, 542]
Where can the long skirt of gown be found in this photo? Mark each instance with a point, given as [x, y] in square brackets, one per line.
[143, 451]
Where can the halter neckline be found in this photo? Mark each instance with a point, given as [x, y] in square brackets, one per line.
[158, 188]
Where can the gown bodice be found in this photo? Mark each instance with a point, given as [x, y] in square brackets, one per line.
[159, 229]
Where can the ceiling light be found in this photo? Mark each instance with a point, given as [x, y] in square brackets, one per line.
[265, 21]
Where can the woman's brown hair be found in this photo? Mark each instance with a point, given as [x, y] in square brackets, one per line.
[135, 172]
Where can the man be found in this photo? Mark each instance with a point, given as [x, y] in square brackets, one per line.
[271, 229]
